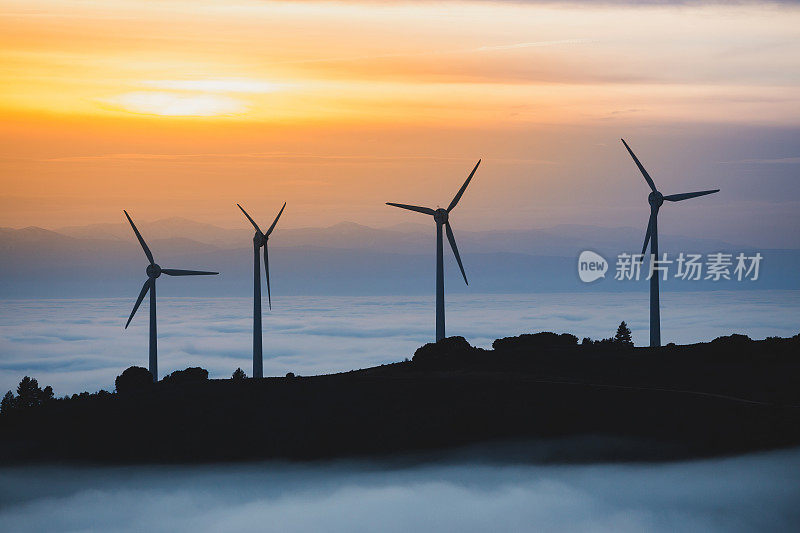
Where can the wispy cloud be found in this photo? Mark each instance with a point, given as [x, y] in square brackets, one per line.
[491, 48]
[535, 44]
[171, 104]
[232, 85]
[274, 155]
[773, 161]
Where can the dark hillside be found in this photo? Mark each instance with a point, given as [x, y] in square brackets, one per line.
[728, 396]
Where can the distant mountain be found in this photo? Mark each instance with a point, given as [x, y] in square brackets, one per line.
[562, 240]
[347, 258]
[168, 228]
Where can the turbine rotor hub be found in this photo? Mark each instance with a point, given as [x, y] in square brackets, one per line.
[259, 239]
[656, 199]
[153, 271]
[441, 216]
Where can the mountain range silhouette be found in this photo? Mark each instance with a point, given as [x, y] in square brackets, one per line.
[97, 260]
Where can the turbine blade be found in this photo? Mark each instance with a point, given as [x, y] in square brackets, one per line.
[253, 222]
[687, 195]
[649, 231]
[641, 168]
[178, 272]
[452, 239]
[142, 294]
[266, 273]
[272, 227]
[426, 210]
[141, 240]
[463, 188]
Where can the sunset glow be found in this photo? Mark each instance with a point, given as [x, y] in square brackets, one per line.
[380, 92]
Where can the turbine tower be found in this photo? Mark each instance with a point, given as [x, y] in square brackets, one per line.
[259, 239]
[441, 216]
[153, 272]
[656, 199]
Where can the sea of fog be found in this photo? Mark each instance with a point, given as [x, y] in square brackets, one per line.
[450, 492]
[80, 345]
[77, 345]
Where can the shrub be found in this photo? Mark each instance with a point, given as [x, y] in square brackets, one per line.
[605, 342]
[133, 379]
[238, 375]
[450, 352]
[732, 340]
[189, 375]
[543, 340]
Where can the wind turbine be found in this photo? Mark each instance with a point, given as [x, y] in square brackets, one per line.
[259, 239]
[656, 199]
[441, 216]
[153, 272]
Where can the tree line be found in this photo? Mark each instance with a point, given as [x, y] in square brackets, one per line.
[136, 379]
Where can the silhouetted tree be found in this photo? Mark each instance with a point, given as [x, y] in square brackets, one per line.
[587, 341]
[28, 393]
[133, 379]
[623, 335]
[238, 375]
[290, 374]
[47, 394]
[8, 403]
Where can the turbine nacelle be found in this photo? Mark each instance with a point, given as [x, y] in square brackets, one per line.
[153, 271]
[259, 239]
[655, 199]
[441, 216]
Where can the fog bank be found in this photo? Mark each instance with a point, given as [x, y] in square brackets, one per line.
[749, 493]
[77, 345]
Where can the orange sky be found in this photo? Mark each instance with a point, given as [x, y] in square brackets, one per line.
[182, 108]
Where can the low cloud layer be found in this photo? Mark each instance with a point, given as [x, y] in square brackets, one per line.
[77, 345]
[751, 493]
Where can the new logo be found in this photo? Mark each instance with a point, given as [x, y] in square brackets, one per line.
[591, 266]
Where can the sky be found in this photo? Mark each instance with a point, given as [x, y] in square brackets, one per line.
[183, 108]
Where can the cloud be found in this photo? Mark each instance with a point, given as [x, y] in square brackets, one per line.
[170, 104]
[233, 85]
[775, 161]
[205, 157]
[491, 48]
